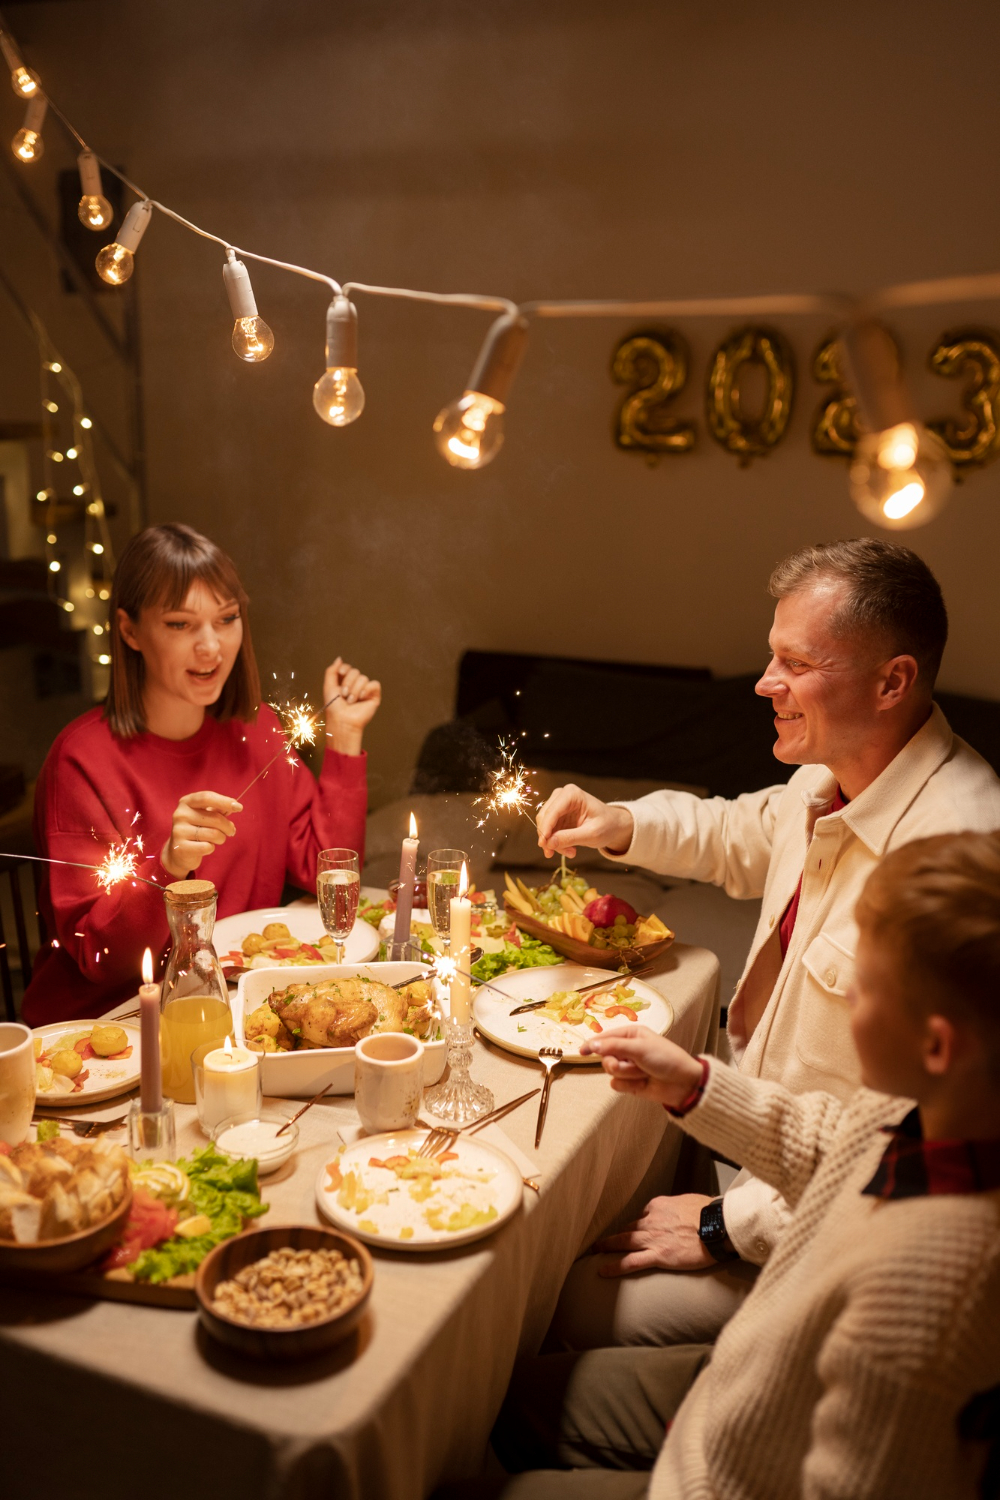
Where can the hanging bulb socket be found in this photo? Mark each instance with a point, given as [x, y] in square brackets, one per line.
[338, 395]
[252, 338]
[28, 145]
[24, 81]
[116, 262]
[94, 211]
[469, 431]
[900, 476]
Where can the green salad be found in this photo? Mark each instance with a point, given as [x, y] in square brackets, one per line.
[222, 1190]
[531, 954]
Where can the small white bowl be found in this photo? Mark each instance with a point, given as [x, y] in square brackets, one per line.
[257, 1136]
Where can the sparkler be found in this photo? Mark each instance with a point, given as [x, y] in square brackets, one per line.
[509, 789]
[299, 724]
[118, 865]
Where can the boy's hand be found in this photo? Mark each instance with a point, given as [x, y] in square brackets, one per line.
[642, 1062]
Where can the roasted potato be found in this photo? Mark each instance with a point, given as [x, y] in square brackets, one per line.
[66, 1062]
[276, 930]
[263, 1023]
[107, 1040]
[252, 944]
[262, 1043]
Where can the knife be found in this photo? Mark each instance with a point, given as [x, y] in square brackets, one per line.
[586, 989]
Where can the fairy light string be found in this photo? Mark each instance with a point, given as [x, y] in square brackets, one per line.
[470, 430]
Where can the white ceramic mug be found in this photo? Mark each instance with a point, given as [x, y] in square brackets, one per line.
[388, 1081]
[17, 1081]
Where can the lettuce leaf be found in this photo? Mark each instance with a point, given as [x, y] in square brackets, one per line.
[222, 1188]
[532, 954]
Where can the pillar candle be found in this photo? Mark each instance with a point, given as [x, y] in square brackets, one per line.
[461, 945]
[407, 880]
[230, 1085]
[150, 1086]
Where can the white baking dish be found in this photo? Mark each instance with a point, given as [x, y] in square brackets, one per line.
[300, 1075]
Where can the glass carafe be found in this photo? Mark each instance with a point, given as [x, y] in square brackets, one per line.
[194, 1000]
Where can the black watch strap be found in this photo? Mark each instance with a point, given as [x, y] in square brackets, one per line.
[712, 1232]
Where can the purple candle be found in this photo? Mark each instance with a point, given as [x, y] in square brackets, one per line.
[404, 896]
[150, 1085]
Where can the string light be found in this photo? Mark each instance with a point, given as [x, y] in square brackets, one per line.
[116, 262]
[24, 81]
[252, 339]
[28, 145]
[94, 211]
[900, 476]
[469, 432]
[338, 395]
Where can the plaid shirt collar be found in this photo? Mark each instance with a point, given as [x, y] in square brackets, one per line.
[914, 1168]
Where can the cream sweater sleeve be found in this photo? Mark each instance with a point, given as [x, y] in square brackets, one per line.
[778, 1136]
[705, 838]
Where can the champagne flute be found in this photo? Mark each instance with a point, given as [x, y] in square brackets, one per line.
[338, 889]
[444, 867]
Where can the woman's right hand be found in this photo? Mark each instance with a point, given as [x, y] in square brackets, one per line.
[200, 824]
[571, 817]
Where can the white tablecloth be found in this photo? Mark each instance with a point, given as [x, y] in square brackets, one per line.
[113, 1401]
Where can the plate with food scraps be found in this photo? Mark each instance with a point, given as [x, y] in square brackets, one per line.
[286, 936]
[566, 1020]
[83, 1062]
[379, 1189]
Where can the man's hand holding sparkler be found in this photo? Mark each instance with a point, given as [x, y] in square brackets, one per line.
[201, 823]
[352, 700]
[572, 816]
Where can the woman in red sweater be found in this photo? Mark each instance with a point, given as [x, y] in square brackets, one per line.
[181, 734]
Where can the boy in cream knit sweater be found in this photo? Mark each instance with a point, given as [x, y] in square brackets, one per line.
[856, 1366]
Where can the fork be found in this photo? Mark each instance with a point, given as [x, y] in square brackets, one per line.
[83, 1127]
[438, 1140]
[550, 1058]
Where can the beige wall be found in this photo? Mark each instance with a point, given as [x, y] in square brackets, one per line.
[534, 149]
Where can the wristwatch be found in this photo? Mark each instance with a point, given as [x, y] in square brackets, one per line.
[712, 1232]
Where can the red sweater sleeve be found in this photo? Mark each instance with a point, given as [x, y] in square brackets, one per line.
[103, 932]
[328, 814]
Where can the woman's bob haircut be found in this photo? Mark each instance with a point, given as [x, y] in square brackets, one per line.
[156, 570]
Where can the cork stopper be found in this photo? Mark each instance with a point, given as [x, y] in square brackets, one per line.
[190, 892]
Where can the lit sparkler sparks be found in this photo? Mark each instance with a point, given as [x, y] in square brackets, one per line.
[299, 724]
[118, 865]
[444, 969]
[510, 788]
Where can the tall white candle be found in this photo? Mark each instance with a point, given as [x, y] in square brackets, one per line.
[461, 946]
[230, 1085]
[150, 1083]
[407, 880]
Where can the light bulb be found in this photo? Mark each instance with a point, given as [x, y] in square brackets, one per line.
[23, 81]
[252, 339]
[115, 264]
[900, 477]
[469, 431]
[27, 145]
[95, 212]
[339, 397]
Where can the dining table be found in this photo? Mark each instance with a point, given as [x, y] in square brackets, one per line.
[111, 1400]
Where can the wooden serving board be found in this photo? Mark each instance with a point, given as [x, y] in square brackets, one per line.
[112, 1286]
[586, 953]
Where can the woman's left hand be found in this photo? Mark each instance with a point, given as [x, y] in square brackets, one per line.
[354, 707]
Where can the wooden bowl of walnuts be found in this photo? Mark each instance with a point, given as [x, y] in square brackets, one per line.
[288, 1291]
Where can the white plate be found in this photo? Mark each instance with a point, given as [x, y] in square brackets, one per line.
[525, 1034]
[501, 1189]
[106, 1078]
[303, 922]
[300, 1075]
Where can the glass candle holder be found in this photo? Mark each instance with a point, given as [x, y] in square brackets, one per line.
[227, 1083]
[459, 1100]
[152, 1133]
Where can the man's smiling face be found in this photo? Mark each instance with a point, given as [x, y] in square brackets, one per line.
[824, 687]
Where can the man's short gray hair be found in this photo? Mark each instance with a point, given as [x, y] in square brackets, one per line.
[892, 595]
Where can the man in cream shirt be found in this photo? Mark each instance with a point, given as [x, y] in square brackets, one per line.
[859, 631]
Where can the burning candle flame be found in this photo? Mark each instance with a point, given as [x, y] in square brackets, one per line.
[227, 1047]
[147, 967]
[463, 882]
[413, 826]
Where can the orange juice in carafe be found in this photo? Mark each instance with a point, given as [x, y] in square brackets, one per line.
[194, 1000]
